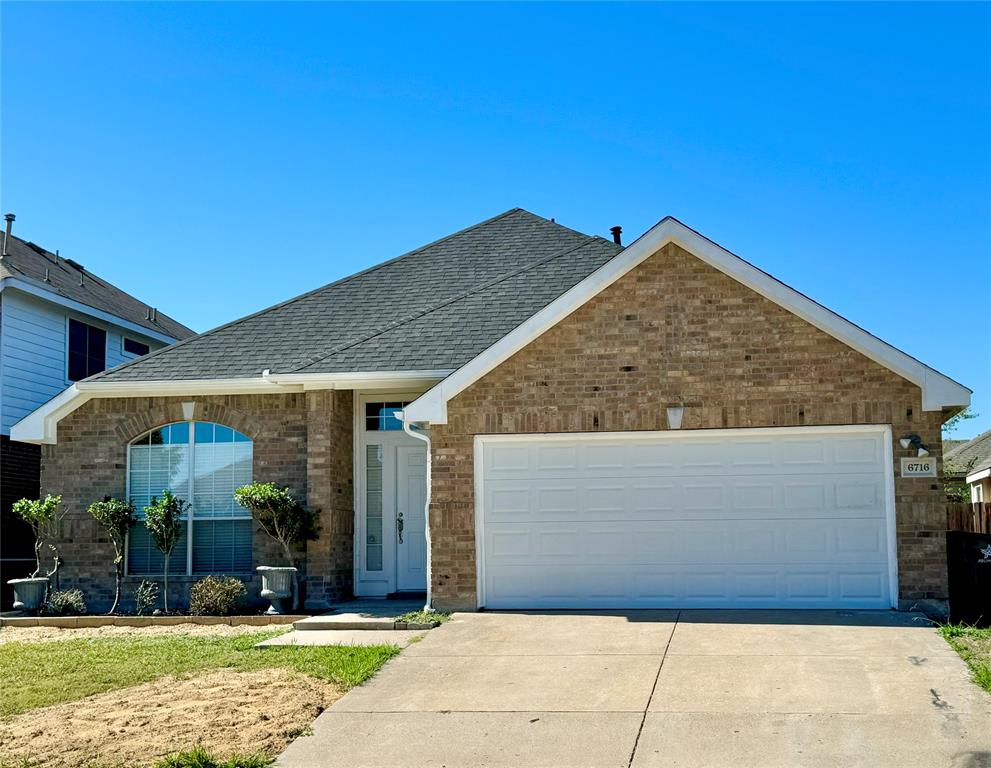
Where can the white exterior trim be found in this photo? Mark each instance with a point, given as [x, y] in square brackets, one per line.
[884, 429]
[30, 287]
[978, 475]
[938, 391]
[41, 426]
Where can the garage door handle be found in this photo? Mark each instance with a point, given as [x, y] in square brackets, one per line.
[399, 527]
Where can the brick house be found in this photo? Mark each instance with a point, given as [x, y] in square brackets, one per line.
[589, 425]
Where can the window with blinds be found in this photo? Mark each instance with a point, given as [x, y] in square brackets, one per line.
[202, 463]
[373, 508]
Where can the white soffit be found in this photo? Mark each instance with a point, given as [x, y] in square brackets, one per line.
[938, 391]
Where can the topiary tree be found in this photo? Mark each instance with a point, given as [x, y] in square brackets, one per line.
[163, 517]
[117, 518]
[281, 517]
[45, 519]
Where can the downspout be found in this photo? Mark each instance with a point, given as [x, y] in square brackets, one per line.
[420, 435]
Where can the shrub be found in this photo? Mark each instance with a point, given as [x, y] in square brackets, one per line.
[198, 757]
[281, 517]
[216, 596]
[67, 602]
[117, 518]
[45, 519]
[145, 597]
[163, 518]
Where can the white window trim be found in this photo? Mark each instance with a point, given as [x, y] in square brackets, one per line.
[191, 513]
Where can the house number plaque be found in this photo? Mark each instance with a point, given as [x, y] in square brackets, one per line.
[919, 467]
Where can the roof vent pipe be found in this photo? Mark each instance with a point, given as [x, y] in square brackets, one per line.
[9, 218]
[617, 235]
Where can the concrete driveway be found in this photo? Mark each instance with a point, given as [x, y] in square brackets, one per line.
[663, 688]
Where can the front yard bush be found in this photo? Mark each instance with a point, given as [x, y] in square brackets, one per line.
[67, 602]
[145, 597]
[216, 596]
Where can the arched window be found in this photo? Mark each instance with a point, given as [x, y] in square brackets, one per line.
[201, 463]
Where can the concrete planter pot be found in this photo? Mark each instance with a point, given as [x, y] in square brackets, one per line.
[277, 586]
[29, 594]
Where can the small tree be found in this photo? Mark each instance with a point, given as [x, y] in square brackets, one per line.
[281, 517]
[45, 519]
[164, 520]
[117, 517]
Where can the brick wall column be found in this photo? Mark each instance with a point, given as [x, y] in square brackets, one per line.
[329, 480]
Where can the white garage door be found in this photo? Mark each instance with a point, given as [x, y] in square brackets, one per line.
[783, 517]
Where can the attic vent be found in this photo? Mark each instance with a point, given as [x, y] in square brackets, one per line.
[75, 264]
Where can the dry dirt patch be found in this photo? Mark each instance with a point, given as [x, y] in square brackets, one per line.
[44, 634]
[225, 711]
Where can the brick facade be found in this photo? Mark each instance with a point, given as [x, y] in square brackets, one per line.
[301, 440]
[677, 331]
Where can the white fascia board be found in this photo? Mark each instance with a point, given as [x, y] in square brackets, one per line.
[938, 391]
[27, 286]
[979, 475]
[361, 380]
[41, 425]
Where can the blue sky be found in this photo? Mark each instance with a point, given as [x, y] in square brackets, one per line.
[214, 159]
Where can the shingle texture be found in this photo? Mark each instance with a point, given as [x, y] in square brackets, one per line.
[972, 456]
[28, 261]
[434, 308]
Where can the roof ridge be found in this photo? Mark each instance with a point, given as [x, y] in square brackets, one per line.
[448, 301]
[306, 294]
[967, 444]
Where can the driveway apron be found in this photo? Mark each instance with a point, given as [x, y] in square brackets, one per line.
[662, 688]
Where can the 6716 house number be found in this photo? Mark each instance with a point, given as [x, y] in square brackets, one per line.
[918, 468]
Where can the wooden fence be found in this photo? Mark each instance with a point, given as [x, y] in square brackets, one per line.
[970, 518]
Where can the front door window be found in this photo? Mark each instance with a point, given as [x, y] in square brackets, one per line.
[373, 507]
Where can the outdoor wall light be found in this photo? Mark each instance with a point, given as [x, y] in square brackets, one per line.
[675, 413]
[914, 441]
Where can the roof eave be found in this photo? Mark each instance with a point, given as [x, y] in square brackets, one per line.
[41, 425]
[938, 391]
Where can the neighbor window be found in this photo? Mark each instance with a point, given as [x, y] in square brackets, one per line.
[379, 416]
[201, 463]
[87, 350]
[133, 347]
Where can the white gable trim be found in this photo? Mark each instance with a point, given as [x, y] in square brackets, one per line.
[938, 391]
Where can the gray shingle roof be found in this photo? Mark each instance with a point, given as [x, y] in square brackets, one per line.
[971, 456]
[433, 308]
[26, 260]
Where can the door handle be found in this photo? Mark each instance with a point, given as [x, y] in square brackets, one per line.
[399, 526]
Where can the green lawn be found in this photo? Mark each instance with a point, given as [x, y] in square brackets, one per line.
[974, 647]
[43, 673]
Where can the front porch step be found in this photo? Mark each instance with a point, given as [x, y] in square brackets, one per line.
[370, 614]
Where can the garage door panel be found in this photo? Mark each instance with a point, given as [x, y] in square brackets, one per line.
[836, 496]
[791, 519]
[698, 456]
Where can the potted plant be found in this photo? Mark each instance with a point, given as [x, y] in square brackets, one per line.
[117, 517]
[289, 523]
[44, 518]
[163, 517]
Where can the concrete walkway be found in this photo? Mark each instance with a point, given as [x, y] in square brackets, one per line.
[758, 689]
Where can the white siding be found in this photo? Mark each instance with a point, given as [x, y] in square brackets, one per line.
[33, 352]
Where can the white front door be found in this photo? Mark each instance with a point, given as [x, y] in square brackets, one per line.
[391, 489]
[411, 495]
[798, 517]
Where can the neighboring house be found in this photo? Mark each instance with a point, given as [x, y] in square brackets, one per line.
[59, 324]
[594, 426]
[970, 462]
